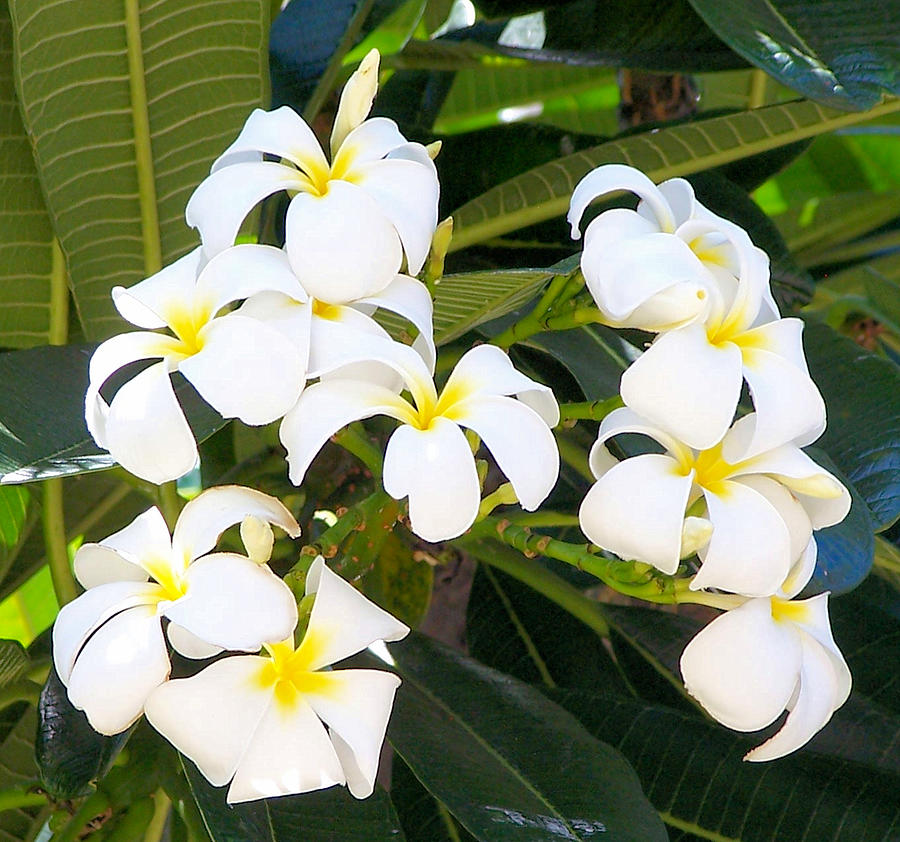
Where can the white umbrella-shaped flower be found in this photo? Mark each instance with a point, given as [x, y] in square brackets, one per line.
[758, 512]
[428, 457]
[350, 221]
[770, 654]
[260, 721]
[108, 644]
[241, 366]
[652, 268]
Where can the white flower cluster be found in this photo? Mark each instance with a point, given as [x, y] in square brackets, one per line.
[741, 494]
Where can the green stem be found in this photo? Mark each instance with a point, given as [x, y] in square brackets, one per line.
[143, 152]
[589, 410]
[16, 799]
[354, 440]
[53, 517]
[169, 502]
[93, 806]
[756, 96]
[560, 289]
[543, 519]
[161, 807]
[59, 297]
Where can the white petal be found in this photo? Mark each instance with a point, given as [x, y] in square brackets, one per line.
[245, 270]
[210, 513]
[290, 752]
[520, 442]
[486, 370]
[679, 196]
[409, 298]
[743, 667]
[190, 645]
[145, 303]
[612, 177]
[234, 603]
[218, 206]
[436, 470]
[625, 420]
[356, 99]
[146, 537]
[801, 572]
[636, 510]
[816, 702]
[281, 132]
[77, 620]
[246, 370]
[750, 549]
[816, 624]
[356, 706]
[343, 621]
[679, 374]
[407, 194]
[369, 141]
[789, 510]
[344, 337]
[118, 667]
[98, 565]
[325, 408]
[146, 431]
[341, 245]
[212, 716]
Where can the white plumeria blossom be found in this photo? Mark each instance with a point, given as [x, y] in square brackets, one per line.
[674, 266]
[108, 644]
[349, 222]
[428, 457]
[328, 335]
[241, 366]
[749, 518]
[770, 654]
[260, 721]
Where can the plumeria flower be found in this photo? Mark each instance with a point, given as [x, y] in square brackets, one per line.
[750, 518]
[328, 335]
[108, 644]
[260, 721]
[241, 366]
[349, 222]
[428, 457]
[653, 268]
[766, 655]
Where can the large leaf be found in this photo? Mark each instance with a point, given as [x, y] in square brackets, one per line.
[862, 395]
[127, 107]
[837, 52]
[26, 238]
[42, 428]
[330, 815]
[544, 192]
[506, 762]
[17, 768]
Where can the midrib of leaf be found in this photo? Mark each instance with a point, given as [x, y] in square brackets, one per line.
[696, 829]
[142, 146]
[459, 720]
[477, 221]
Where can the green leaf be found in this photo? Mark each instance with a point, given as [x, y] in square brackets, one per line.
[17, 768]
[832, 51]
[126, 118]
[13, 662]
[506, 762]
[544, 192]
[26, 238]
[70, 754]
[862, 396]
[397, 582]
[13, 512]
[42, 428]
[329, 815]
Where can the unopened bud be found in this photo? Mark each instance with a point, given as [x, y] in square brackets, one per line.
[258, 539]
[695, 534]
[356, 99]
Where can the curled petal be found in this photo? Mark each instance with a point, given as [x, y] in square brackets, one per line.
[146, 431]
[210, 513]
[342, 246]
[189, 645]
[520, 442]
[325, 408]
[329, 637]
[246, 370]
[743, 667]
[750, 549]
[235, 603]
[219, 204]
[679, 372]
[789, 510]
[625, 420]
[436, 470]
[147, 536]
[118, 667]
[98, 565]
[370, 141]
[145, 304]
[801, 572]
[212, 716]
[679, 196]
[636, 510]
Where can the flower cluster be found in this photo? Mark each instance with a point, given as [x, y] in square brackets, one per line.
[740, 494]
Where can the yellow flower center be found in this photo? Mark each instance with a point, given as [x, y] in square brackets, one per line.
[788, 611]
[711, 469]
[187, 323]
[326, 311]
[287, 670]
[172, 585]
[444, 407]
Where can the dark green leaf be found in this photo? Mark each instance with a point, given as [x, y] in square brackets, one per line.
[71, 755]
[506, 762]
[17, 767]
[330, 815]
[862, 395]
[42, 428]
[837, 52]
[13, 661]
[423, 818]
